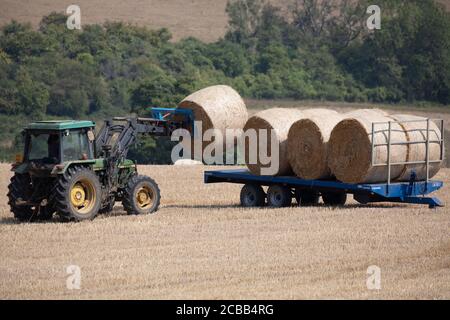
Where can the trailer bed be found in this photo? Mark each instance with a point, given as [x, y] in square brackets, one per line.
[414, 192]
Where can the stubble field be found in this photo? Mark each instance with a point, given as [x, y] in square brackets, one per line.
[201, 245]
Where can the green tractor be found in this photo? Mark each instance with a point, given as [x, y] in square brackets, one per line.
[70, 170]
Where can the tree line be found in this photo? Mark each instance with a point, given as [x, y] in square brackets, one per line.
[311, 50]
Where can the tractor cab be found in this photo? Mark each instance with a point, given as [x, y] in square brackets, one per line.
[48, 143]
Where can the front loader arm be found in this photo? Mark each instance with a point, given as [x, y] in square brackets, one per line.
[117, 135]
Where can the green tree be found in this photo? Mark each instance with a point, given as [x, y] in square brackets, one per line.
[157, 91]
[32, 97]
[77, 91]
[19, 41]
[244, 17]
[229, 58]
[408, 57]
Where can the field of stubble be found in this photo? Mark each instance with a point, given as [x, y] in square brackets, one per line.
[201, 245]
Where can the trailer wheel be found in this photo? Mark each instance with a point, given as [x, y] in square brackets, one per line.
[252, 195]
[306, 197]
[142, 196]
[335, 199]
[279, 196]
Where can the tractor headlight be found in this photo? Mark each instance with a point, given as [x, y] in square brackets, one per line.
[19, 158]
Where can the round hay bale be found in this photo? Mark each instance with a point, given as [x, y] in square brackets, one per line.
[350, 157]
[187, 162]
[416, 132]
[217, 107]
[308, 144]
[278, 120]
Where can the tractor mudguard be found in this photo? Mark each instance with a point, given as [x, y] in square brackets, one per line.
[96, 165]
[62, 168]
[20, 168]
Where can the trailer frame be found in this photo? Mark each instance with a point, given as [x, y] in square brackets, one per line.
[400, 192]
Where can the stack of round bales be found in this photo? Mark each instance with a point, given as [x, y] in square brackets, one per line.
[308, 143]
[278, 120]
[416, 133]
[217, 107]
[350, 149]
[350, 158]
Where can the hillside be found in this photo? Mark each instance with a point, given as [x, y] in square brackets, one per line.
[203, 19]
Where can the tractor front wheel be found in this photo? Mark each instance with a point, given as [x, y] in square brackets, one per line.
[77, 194]
[141, 196]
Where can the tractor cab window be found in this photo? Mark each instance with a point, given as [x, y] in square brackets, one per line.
[75, 145]
[44, 147]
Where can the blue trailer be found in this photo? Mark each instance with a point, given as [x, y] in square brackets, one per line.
[281, 190]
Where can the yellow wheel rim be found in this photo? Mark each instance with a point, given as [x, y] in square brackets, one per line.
[144, 197]
[83, 196]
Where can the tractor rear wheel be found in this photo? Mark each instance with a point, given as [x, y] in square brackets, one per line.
[77, 194]
[20, 189]
[141, 196]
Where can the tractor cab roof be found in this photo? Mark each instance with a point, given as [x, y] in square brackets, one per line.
[60, 125]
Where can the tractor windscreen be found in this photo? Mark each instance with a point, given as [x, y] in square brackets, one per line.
[75, 145]
[44, 147]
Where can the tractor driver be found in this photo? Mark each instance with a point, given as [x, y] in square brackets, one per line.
[53, 147]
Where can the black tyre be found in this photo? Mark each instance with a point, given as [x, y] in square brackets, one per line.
[335, 199]
[307, 197]
[362, 198]
[20, 189]
[77, 194]
[252, 196]
[141, 196]
[279, 196]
